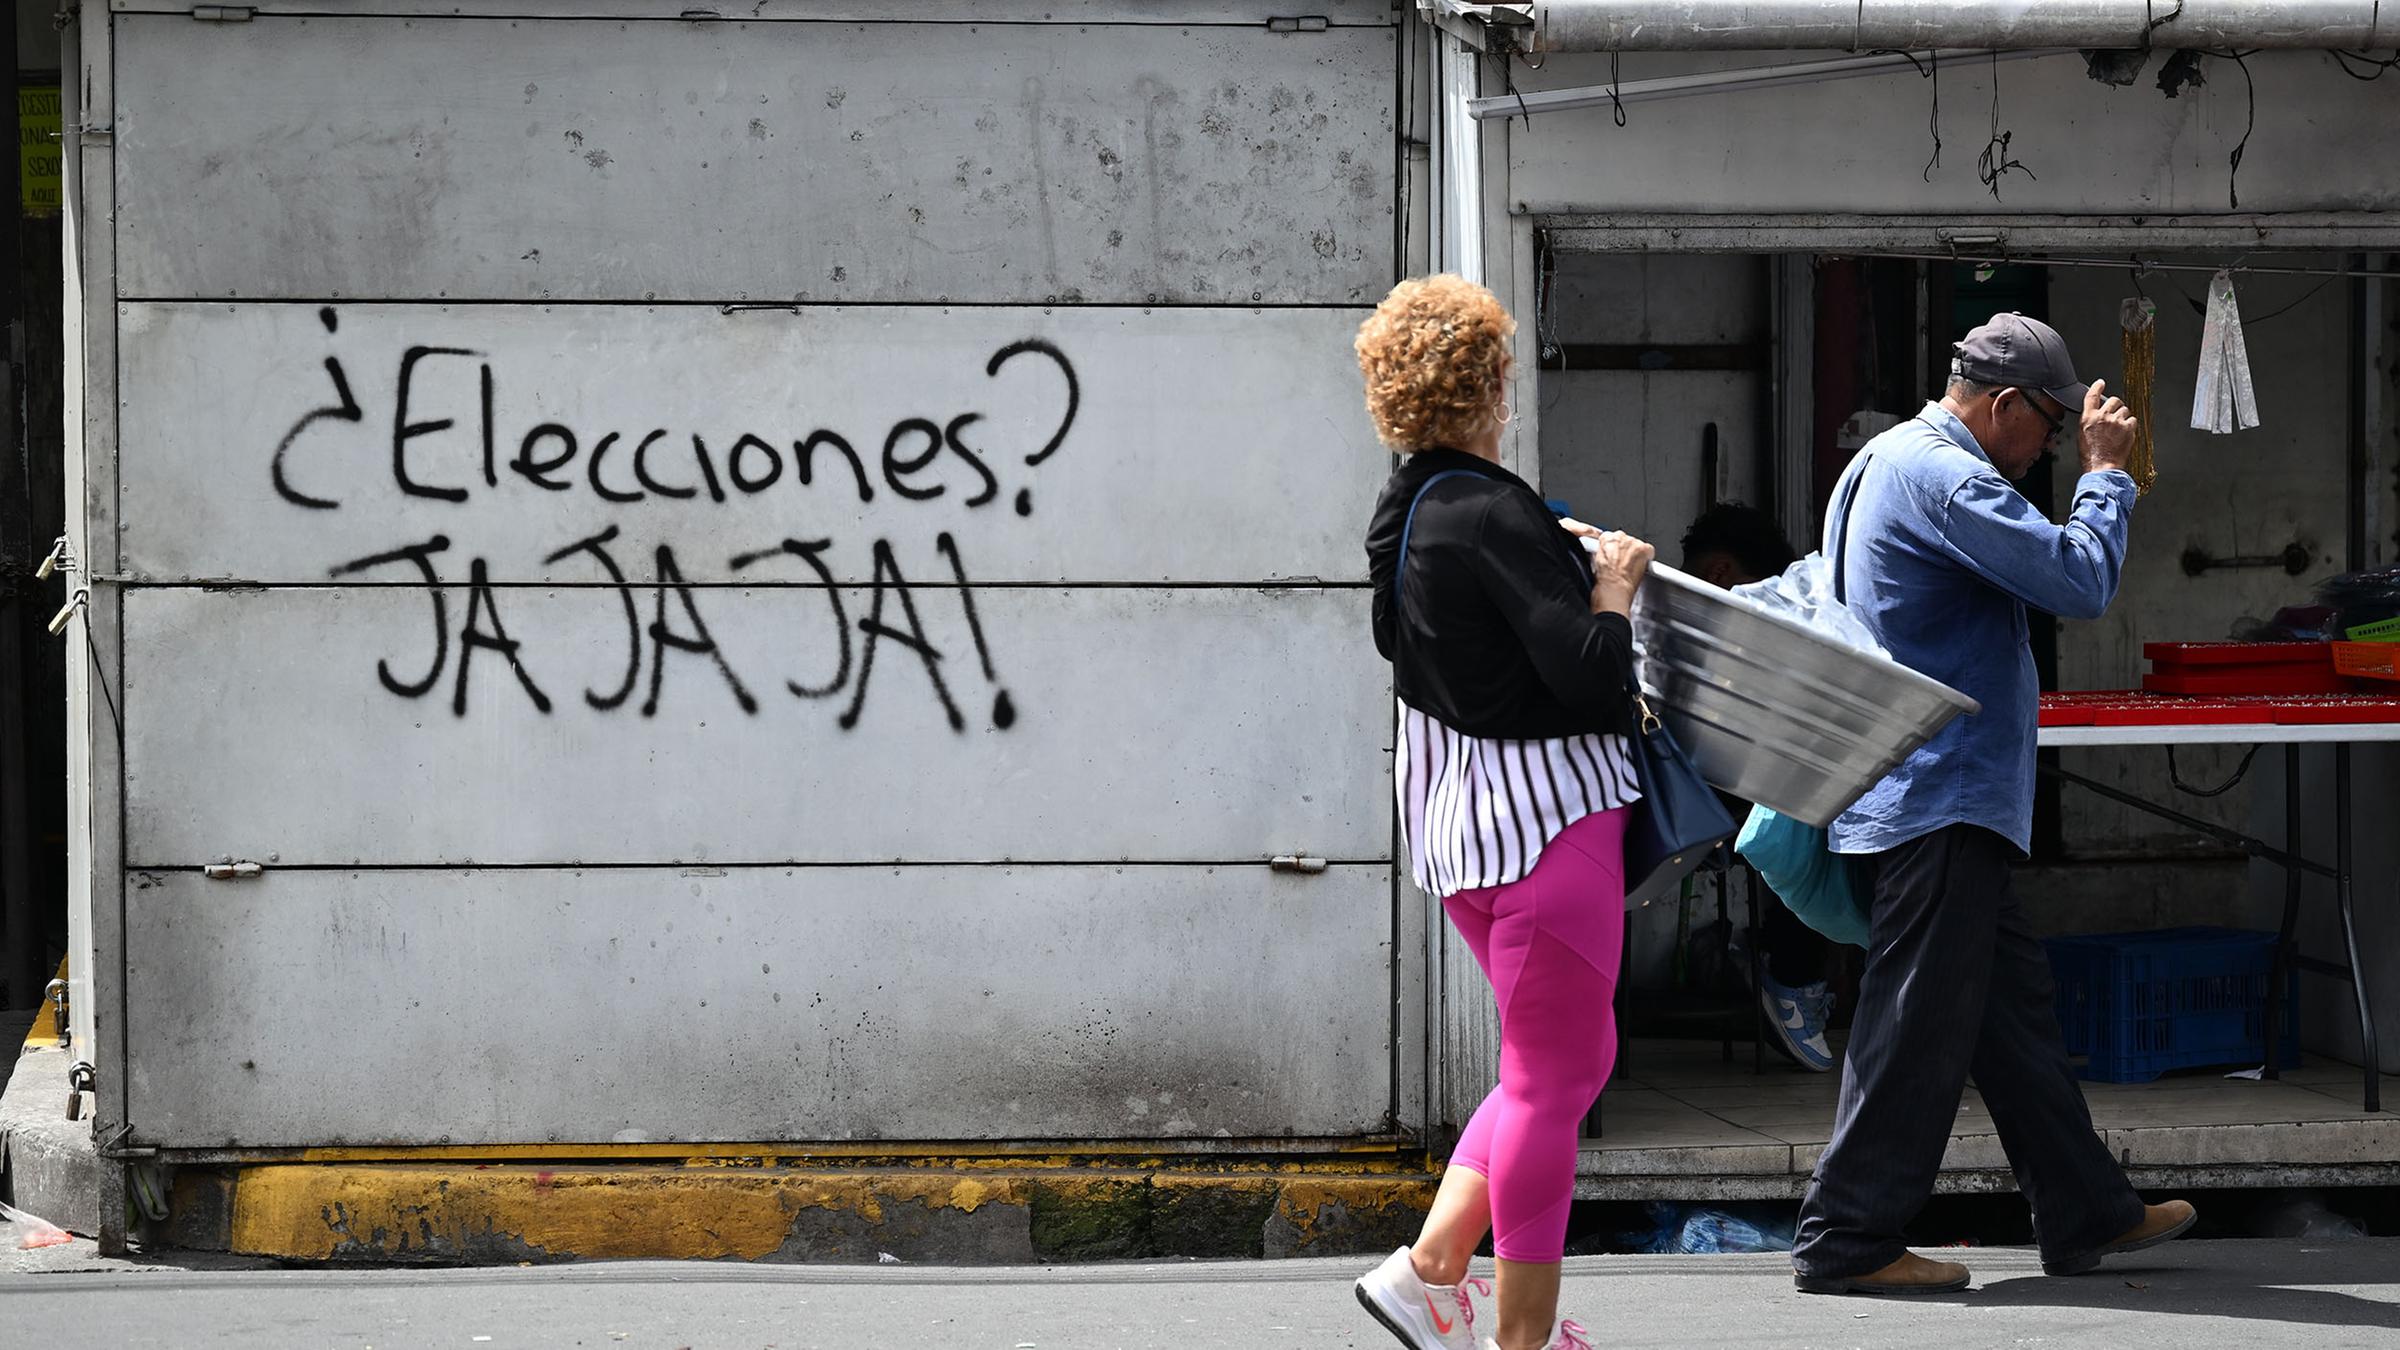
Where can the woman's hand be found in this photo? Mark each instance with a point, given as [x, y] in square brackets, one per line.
[1619, 561]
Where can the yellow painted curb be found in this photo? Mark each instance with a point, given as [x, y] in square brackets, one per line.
[44, 1033]
[315, 1213]
[526, 1212]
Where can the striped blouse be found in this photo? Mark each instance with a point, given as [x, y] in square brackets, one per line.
[1477, 812]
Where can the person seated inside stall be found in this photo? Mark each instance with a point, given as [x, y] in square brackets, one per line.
[1731, 545]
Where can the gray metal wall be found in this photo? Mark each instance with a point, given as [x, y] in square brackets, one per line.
[755, 580]
[1865, 146]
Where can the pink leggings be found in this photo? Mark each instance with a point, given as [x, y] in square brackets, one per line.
[1550, 944]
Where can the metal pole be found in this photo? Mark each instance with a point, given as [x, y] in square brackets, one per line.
[1733, 81]
[2125, 264]
[2279, 972]
[2256, 848]
[2342, 845]
[1869, 25]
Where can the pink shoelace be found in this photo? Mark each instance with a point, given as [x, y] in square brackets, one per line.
[1466, 1310]
[1571, 1335]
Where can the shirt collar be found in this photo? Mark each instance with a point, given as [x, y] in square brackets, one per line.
[1417, 467]
[1946, 422]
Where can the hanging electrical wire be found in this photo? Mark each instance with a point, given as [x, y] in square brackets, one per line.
[1994, 164]
[2343, 59]
[2200, 306]
[2137, 321]
[2240, 771]
[1933, 61]
[2157, 20]
[1545, 310]
[1928, 69]
[2233, 174]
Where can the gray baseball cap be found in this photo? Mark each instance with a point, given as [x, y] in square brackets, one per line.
[2020, 352]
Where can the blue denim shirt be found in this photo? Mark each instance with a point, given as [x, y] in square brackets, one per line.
[1943, 557]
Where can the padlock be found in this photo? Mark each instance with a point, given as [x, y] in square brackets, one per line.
[58, 622]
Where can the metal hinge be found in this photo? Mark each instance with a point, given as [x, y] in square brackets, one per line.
[231, 871]
[1297, 862]
[223, 13]
[1311, 23]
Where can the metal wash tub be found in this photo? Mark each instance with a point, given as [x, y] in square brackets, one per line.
[1773, 712]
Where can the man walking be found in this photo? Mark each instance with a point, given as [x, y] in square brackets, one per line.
[1941, 558]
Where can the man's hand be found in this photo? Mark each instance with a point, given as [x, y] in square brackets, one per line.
[2106, 437]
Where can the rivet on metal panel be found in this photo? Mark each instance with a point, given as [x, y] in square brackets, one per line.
[1297, 862]
[233, 871]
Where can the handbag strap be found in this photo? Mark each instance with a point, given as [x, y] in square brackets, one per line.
[1648, 721]
[1409, 522]
[1841, 538]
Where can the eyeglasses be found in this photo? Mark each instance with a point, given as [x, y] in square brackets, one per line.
[2054, 424]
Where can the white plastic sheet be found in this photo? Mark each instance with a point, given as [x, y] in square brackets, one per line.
[1805, 592]
[2223, 400]
[35, 1230]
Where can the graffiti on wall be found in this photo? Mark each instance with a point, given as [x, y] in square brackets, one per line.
[926, 463]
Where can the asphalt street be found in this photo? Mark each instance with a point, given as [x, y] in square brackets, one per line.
[2245, 1293]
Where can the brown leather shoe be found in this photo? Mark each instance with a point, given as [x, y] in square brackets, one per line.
[1911, 1274]
[2160, 1223]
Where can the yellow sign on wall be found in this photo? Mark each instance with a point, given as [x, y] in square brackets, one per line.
[38, 151]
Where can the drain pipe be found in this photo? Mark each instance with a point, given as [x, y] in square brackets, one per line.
[1913, 25]
[1458, 179]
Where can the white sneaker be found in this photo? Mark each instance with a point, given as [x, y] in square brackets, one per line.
[1424, 1316]
[1569, 1336]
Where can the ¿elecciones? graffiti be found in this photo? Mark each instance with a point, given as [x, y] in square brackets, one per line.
[920, 458]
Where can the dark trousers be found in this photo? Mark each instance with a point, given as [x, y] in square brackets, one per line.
[1955, 983]
[1796, 953]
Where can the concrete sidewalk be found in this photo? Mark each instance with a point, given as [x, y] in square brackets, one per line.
[2246, 1293]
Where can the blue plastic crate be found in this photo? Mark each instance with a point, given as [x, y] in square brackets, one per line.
[2140, 1004]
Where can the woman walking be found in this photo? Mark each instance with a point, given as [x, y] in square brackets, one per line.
[1511, 657]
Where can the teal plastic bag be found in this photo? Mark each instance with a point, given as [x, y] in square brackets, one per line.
[1798, 863]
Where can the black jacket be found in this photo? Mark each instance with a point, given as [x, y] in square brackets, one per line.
[1495, 636]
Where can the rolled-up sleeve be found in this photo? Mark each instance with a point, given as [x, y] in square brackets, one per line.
[2070, 570]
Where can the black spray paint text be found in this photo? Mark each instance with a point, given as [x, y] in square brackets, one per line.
[917, 458]
[666, 628]
[445, 394]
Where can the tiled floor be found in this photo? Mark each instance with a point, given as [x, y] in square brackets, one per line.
[1678, 1121]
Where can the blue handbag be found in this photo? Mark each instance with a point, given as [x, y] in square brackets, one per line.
[1679, 821]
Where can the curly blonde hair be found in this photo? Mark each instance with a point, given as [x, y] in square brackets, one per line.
[1431, 353]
